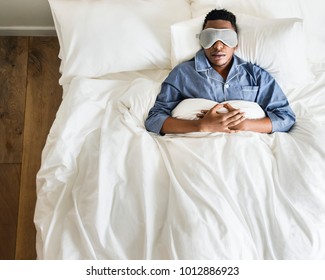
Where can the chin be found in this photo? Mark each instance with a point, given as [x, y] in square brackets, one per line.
[220, 62]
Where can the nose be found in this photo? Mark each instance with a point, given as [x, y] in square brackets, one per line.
[218, 45]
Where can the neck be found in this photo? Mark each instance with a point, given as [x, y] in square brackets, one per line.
[223, 70]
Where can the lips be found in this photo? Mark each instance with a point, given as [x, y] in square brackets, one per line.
[218, 55]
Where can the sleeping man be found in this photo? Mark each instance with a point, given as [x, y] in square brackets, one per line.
[217, 74]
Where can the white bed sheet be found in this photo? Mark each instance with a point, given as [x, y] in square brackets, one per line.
[108, 189]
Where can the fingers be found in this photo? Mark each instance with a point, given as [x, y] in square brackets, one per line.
[225, 109]
[217, 106]
[236, 126]
[212, 111]
[236, 121]
[234, 118]
[232, 130]
[222, 122]
[229, 107]
[201, 114]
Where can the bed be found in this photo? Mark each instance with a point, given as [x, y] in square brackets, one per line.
[109, 189]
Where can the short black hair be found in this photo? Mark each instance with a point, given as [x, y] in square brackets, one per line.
[223, 15]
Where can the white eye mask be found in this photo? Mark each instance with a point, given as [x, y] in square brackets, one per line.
[211, 35]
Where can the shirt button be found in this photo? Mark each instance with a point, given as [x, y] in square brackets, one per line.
[227, 85]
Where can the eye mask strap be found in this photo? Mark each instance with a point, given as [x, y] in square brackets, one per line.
[211, 35]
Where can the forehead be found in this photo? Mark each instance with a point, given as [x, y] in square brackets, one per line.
[219, 24]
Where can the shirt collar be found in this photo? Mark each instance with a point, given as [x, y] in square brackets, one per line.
[201, 61]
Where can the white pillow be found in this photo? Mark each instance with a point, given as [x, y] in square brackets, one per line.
[314, 19]
[189, 108]
[260, 8]
[109, 36]
[184, 41]
[276, 45]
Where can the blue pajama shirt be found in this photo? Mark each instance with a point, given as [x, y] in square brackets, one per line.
[197, 79]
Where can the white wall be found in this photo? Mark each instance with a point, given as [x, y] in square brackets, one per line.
[25, 17]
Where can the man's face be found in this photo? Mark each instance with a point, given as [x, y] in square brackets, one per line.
[219, 55]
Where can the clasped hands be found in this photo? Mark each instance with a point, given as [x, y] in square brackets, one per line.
[230, 121]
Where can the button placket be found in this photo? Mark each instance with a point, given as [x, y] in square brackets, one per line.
[226, 86]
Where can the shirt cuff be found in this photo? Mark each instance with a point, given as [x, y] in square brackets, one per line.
[280, 123]
[155, 124]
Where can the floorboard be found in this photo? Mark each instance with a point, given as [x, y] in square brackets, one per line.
[13, 78]
[13, 73]
[9, 193]
[29, 98]
[43, 98]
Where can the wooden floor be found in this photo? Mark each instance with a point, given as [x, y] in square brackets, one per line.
[29, 98]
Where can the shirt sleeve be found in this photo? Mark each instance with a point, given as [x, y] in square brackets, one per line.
[166, 101]
[276, 105]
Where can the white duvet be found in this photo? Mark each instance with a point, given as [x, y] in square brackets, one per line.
[108, 189]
